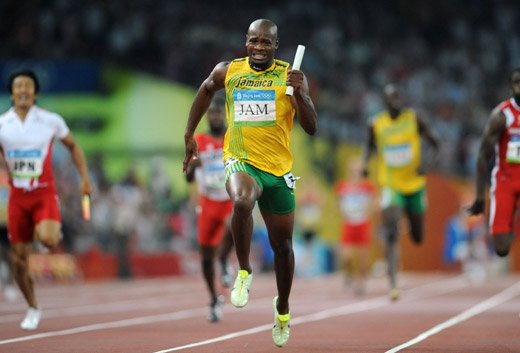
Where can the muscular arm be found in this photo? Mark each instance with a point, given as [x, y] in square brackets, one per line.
[78, 158]
[301, 101]
[369, 149]
[492, 132]
[207, 90]
[427, 133]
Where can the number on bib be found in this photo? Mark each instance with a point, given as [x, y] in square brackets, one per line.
[513, 149]
[398, 155]
[255, 107]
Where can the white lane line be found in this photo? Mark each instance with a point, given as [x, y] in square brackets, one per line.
[500, 298]
[428, 290]
[114, 324]
[93, 309]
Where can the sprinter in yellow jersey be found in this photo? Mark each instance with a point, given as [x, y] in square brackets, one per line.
[257, 156]
[395, 135]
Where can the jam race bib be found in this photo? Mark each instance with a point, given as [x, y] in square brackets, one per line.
[255, 107]
[398, 155]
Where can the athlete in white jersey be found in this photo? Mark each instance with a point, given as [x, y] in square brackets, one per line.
[215, 207]
[26, 137]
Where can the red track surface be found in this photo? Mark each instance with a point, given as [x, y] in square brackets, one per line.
[168, 313]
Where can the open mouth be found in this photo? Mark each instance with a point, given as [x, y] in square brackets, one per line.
[259, 56]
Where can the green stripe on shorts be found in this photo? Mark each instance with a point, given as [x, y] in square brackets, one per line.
[237, 166]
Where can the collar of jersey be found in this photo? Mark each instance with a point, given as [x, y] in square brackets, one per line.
[30, 113]
[260, 72]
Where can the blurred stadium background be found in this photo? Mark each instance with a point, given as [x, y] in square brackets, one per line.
[123, 74]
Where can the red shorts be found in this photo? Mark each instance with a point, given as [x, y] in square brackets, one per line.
[503, 203]
[28, 208]
[211, 220]
[358, 234]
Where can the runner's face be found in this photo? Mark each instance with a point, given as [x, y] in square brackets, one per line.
[23, 95]
[515, 85]
[261, 45]
[216, 117]
[393, 99]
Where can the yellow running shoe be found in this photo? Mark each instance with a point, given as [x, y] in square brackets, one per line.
[240, 291]
[281, 327]
[394, 294]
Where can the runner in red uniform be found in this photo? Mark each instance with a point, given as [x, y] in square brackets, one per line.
[356, 201]
[27, 133]
[214, 206]
[501, 135]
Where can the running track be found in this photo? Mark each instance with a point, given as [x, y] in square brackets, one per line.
[437, 313]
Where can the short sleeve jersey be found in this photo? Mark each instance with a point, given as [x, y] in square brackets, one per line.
[27, 146]
[399, 151]
[260, 116]
[507, 160]
[211, 176]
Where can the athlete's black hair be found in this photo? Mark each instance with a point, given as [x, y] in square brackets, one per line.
[23, 72]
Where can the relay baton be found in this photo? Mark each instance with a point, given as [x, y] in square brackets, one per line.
[296, 66]
[85, 206]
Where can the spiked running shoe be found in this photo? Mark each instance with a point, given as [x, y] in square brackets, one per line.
[240, 291]
[225, 277]
[32, 319]
[394, 294]
[281, 327]
[215, 310]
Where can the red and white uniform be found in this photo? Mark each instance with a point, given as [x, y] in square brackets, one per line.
[214, 203]
[27, 148]
[355, 200]
[505, 177]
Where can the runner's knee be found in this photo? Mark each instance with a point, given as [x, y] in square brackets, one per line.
[50, 240]
[391, 231]
[282, 248]
[18, 261]
[243, 206]
[207, 264]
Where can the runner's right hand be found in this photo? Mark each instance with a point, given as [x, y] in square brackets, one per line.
[191, 152]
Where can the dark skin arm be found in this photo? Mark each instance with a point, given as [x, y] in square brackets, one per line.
[427, 133]
[205, 94]
[494, 129]
[370, 148]
[79, 160]
[190, 174]
[301, 101]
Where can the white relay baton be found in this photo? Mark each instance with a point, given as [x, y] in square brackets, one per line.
[296, 66]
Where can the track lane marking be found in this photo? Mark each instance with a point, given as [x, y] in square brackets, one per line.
[427, 290]
[500, 298]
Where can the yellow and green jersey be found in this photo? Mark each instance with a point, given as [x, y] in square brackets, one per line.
[260, 116]
[399, 151]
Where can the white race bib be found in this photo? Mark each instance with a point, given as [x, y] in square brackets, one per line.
[213, 169]
[398, 155]
[215, 177]
[513, 149]
[354, 206]
[25, 163]
[290, 180]
[255, 107]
